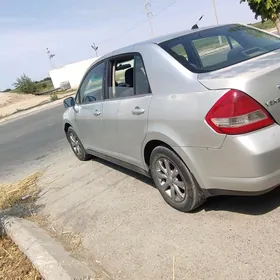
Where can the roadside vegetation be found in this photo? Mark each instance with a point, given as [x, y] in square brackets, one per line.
[264, 25]
[268, 11]
[25, 84]
[17, 199]
[14, 264]
[53, 96]
[19, 193]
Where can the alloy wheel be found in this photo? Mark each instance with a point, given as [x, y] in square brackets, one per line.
[75, 143]
[171, 180]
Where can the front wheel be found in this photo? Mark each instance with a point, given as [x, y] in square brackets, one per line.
[174, 181]
[77, 146]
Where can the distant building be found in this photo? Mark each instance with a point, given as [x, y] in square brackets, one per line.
[72, 73]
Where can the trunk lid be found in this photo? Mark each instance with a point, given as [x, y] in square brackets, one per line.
[258, 77]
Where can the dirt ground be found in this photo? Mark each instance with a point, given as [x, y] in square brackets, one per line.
[14, 264]
[12, 102]
[128, 229]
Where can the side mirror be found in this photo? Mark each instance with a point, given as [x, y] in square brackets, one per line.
[69, 102]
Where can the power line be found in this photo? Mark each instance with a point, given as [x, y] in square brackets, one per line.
[139, 23]
[165, 8]
[149, 15]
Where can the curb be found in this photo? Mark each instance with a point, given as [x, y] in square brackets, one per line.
[49, 257]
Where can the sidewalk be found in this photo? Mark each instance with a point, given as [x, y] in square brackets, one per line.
[129, 230]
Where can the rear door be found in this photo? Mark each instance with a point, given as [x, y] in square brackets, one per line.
[89, 107]
[133, 110]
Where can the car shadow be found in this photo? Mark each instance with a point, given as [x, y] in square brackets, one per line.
[248, 205]
[128, 172]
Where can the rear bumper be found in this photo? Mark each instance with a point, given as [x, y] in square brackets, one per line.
[247, 164]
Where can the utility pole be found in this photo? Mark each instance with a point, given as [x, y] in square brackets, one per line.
[217, 20]
[95, 49]
[215, 9]
[51, 56]
[149, 15]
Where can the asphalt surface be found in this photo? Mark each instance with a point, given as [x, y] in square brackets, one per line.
[29, 139]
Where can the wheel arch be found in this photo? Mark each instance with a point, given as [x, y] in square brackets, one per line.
[163, 140]
[150, 146]
[66, 126]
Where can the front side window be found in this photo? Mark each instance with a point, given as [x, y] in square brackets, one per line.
[127, 77]
[219, 47]
[91, 89]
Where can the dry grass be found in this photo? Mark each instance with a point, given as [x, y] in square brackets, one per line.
[16, 196]
[19, 192]
[14, 264]
[19, 199]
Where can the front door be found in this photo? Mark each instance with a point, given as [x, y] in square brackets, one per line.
[89, 108]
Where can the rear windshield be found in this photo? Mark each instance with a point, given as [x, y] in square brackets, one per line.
[219, 47]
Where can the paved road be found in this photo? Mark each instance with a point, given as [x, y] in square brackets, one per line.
[29, 139]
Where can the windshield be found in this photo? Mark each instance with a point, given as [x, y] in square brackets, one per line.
[219, 47]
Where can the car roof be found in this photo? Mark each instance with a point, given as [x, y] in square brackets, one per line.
[158, 40]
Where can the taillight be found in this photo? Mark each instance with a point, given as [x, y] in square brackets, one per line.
[237, 113]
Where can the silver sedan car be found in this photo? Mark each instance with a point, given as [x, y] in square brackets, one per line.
[197, 111]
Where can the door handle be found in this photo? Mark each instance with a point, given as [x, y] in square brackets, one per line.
[97, 113]
[138, 111]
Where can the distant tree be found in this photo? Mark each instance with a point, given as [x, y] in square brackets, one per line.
[266, 9]
[25, 84]
[46, 79]
[7, 90]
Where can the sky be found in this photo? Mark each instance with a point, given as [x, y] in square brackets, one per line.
[69, 28]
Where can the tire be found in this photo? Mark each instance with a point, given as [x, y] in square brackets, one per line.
[77, 146]
[174, 181]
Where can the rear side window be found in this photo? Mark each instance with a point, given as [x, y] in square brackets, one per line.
[212, 49]
[219, 47]
[180, 50]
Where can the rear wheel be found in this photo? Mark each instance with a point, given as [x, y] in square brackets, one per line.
[77, 146]
[174, 180]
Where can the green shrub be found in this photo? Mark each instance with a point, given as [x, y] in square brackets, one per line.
[25, 84]
[264, 25]
[53, 96]
[7, 90]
